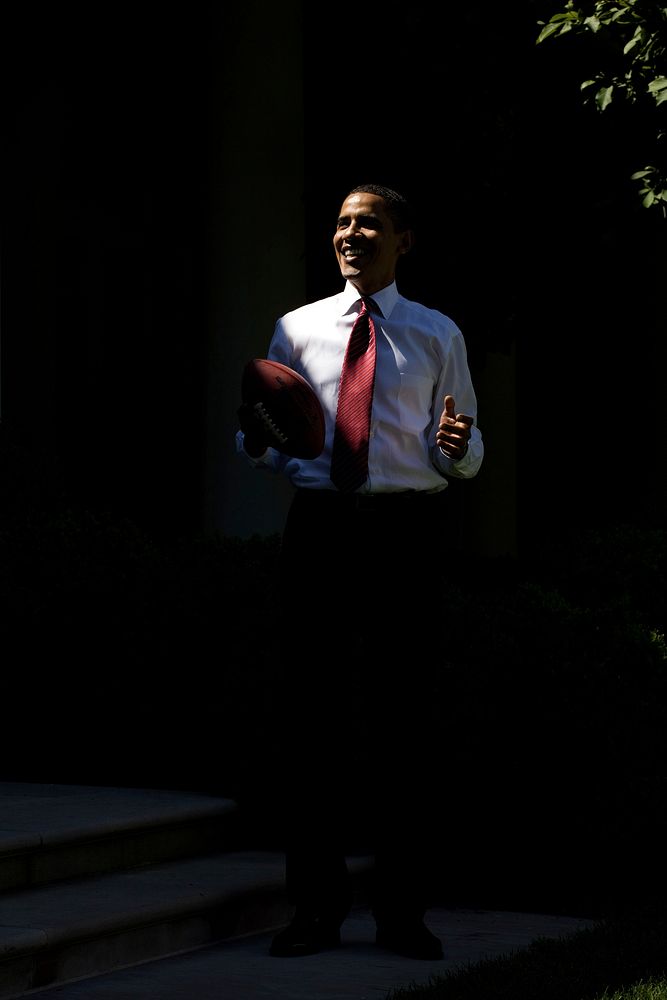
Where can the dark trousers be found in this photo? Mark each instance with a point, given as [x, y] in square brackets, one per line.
[359, 587]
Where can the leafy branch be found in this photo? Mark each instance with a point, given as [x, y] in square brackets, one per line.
[634, 70]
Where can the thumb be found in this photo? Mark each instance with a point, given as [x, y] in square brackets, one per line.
[450, 408]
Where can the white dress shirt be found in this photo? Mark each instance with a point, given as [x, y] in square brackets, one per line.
[421, 357]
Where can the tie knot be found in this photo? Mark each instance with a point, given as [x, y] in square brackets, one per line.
[367, 304]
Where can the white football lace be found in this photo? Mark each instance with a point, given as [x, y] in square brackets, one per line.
[268, 423]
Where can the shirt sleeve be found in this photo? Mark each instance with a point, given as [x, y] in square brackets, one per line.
[455, 380]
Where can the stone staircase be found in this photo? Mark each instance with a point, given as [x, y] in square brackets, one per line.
[94, 879]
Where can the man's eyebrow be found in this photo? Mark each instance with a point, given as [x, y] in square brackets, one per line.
[369, 218]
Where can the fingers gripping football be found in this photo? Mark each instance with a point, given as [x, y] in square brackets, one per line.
[259, 429]
[281, 410]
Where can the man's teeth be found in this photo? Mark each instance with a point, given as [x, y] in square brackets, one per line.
[353, 253]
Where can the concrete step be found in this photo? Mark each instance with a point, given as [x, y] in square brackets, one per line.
[64, 919]
[53, 831]
[72, 929]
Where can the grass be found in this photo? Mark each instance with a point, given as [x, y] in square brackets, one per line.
[621, 957]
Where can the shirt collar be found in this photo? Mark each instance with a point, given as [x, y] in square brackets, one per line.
[385, 299]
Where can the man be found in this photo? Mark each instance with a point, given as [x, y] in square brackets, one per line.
[362, 564]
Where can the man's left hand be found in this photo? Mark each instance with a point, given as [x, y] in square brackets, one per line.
[454, 431]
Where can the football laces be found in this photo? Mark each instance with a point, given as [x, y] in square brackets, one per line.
[268, 424]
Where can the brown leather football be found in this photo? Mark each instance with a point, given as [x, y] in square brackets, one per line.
[287, 406]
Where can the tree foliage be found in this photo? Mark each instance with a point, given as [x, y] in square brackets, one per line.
[631, 49]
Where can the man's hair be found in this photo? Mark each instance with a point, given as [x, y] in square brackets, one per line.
[398, 208]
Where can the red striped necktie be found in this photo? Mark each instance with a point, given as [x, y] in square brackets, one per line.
[349, 459]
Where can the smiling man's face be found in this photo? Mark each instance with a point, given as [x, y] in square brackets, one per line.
[366, 243]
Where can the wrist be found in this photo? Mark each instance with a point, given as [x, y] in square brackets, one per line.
[253, 446]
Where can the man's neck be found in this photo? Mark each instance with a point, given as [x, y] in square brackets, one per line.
[368, 291]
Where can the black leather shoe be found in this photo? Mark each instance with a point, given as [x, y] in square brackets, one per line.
[304, 937]
[413, 940]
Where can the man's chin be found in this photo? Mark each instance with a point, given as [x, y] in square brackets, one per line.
[349, 271]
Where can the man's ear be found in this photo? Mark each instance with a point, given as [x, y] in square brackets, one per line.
[406, 241]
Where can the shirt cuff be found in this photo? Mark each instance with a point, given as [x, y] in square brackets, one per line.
[462, 468]
[253, 459]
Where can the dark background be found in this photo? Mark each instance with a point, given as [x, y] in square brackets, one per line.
[129, 662]
[530, 235]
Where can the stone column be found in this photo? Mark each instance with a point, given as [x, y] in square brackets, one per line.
[257, 237]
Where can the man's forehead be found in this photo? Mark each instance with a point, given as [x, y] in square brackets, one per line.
[364, 204]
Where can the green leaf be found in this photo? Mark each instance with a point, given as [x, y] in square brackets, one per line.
[551, 29]
[571, 16]
[658, 88]
[619, 13]
[603, 97]
[592, 22]
[648, 200]
[558, 24]
[639, 174]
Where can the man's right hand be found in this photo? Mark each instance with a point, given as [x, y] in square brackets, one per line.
[256, 435]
